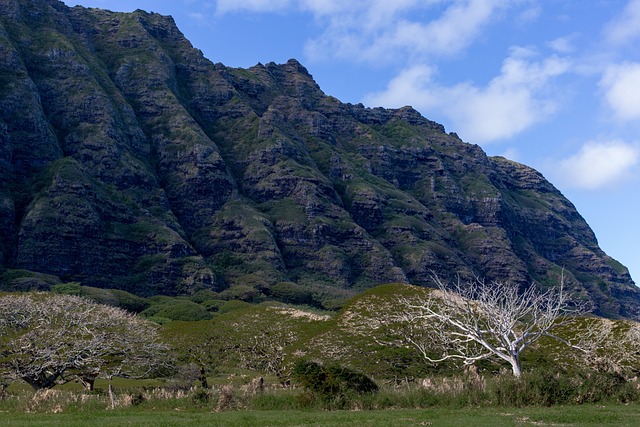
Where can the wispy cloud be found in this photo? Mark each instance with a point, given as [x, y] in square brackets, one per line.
[225, 6]
[563, 45]
[511, 153]
[530, 14]
[388, 33]
[626, 27]
[510, 103]
[383, 30]
[599, 165]
[620, 83]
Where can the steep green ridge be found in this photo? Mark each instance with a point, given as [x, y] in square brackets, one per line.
[130, 161]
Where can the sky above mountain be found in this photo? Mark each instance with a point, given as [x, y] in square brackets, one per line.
[554, 84]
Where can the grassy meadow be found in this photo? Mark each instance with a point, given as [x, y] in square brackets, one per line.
[585, 415]
[500, 401]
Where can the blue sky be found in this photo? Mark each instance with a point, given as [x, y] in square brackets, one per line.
[554, 84]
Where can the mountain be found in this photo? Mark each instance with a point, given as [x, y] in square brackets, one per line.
[128, 160]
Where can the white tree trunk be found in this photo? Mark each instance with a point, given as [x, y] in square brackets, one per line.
[515, 367]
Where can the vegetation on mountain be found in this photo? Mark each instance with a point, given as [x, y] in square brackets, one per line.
[128, 161]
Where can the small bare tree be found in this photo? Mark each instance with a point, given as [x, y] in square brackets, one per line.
[474, 320]
[267, 351]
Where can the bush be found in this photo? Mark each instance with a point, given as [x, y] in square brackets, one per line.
[598, 387]
[112, 297]
[177, 310]
[547, 388]
[71, 288]
[331, 382]
[116, 298]
[233, 305]
[240, 292]
[25, 280]
[214, 305]
[538, 388]
[203, 296]
[292, 293]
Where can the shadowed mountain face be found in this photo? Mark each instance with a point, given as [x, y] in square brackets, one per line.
[128, 160]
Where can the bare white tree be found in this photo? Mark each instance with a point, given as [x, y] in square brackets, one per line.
[473, 320]
[52, 339]
[120, 344]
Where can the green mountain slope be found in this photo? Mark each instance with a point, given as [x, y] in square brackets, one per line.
[130, 161]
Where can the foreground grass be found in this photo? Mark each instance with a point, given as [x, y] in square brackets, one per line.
[583, 415]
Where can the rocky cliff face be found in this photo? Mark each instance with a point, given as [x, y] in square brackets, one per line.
[129, 160]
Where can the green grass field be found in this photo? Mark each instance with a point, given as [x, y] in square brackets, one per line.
[583, 415]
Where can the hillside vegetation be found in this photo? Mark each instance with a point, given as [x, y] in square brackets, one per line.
[274, 356]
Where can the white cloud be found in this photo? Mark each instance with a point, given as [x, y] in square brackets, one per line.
[226, 6]
[510, 103]
[564, 44]
[383, 30]
[530, 14]
[322, 7]
[199, 17]
[620, 83]
[599, 165]
[511, 153]
[626, 27]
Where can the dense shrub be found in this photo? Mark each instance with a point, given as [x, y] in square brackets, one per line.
[292, 293]
[240, 292]
[71, 288]
[331, 382]
[547, 388]
[116, 298]
[214, 305]
[25, 280]
[203, 296]
[112, 297]
[597, 387]
[232, 305]
[540, 388]
[177, 310]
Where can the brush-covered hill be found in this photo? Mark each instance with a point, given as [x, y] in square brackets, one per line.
[270, 337]
[130, 161]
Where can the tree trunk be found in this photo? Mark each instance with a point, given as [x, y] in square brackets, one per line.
[3, 392]
[112, 396]
[88, 382]
[515, 367]
[41, 383]
[203, 378]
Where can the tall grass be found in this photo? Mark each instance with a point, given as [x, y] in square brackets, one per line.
[533, 389]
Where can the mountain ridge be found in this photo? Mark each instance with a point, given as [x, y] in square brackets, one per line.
[129, 160]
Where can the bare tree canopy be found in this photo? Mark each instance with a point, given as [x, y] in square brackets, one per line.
[51, 339]
[609, 346]
[473, 320]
